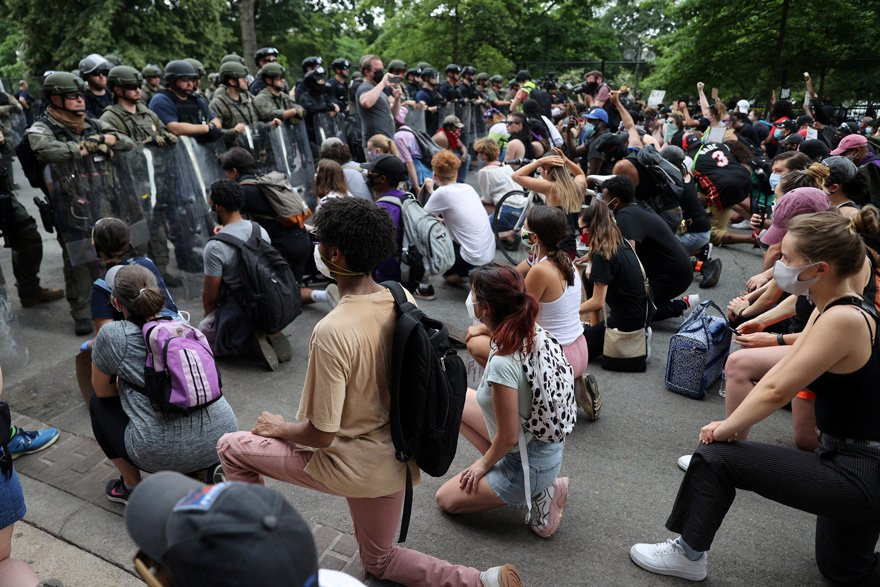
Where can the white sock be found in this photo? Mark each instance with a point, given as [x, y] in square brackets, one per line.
[319, 295]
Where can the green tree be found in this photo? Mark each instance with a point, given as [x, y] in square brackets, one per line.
[55, 34]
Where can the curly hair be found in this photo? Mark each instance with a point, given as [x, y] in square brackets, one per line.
[361, 229]
[227, 195]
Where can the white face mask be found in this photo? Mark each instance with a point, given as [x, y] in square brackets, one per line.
[787, 278]
[469, 305]
[319, 263]
[774, 180]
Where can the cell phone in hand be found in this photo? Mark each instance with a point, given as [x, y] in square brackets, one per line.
[761, 210]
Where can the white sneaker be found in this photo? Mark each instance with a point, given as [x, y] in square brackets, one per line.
[506, 576]
[744, 225]
[691, 301]
[668, 558]
[684, 461]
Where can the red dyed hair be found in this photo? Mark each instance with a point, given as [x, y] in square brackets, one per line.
[512, 310]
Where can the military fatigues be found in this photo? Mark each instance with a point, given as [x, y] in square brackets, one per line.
[54, 142]
[269, 106]
[147, 93]
[143, 126]
[232, 112]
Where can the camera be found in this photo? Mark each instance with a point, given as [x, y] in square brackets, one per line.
[395, 79]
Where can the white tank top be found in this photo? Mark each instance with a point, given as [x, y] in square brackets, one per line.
[561, 317]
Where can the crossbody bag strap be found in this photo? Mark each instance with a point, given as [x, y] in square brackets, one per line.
[645, 281]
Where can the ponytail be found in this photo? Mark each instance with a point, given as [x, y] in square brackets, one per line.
[512, 310]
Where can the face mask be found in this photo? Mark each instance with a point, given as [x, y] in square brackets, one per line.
[324, 266]
[777, 134]
[589, 129]
[869, 130]
[524, 236]
[319, 263]
[378, 75]
[774, 180]
[469, 304]
[671, 129]
[787, 278]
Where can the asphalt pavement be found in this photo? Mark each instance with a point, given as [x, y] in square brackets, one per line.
[622, 468]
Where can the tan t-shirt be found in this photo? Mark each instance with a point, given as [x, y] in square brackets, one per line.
[346, 392]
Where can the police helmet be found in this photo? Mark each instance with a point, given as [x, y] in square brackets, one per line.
[469, 70]
[58, 83]
[197, 65]
[429, 73]
[496, 79]
[396, 66]
[231, 70]
[340, 63]
[151, 70]
[423, 65]
[124, 76]
[452, 68]
[312, 62]
[92, 63]
[482, 76]
[232, 57]
[113, 59]
[179, 69]
[264, 52]
[412, 71]
[271, 69]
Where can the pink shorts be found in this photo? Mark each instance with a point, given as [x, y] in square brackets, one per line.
[577, 355]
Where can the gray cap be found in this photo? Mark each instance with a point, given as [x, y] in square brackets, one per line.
[842, 169]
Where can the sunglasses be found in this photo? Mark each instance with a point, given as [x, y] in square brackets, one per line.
[101, 73]
[74, 96]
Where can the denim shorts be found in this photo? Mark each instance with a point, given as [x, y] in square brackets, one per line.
[11, 500]
[506, 477]
[694, 241]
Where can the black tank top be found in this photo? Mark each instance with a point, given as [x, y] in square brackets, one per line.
[848, 404]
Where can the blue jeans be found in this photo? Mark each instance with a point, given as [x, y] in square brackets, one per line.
[694, 241]
[12, 507]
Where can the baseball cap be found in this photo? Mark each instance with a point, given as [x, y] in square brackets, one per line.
[794, 203]
[690, 142]
[792, 139]
[814, 149]
[453, 120]
[597, 114]
[743, 106]
[789, 124]
[226, 534]
[842, 168]
[388, 166]
[850, 142]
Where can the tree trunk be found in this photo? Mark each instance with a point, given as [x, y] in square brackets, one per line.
[775, 73]
[246, 15]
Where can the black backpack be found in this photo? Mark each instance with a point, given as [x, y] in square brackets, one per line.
[426, 144]
[667, 178]
[428, 384]
[269, 295]
[30, 165]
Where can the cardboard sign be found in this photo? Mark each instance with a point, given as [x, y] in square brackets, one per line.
[656, 97]
[812, 134]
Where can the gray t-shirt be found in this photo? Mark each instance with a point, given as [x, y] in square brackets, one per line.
[376, 120]
[155, 441]
[504, 370]
[221, 260]
[357, 183]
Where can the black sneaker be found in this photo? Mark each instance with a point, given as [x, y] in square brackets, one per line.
[117, 492]
[265, 351]
[425, 292]
[711, 272]
[82, 326]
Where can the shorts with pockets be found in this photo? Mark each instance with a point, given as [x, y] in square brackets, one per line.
[506, 477]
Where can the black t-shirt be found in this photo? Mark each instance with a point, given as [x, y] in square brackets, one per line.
[692, 210]
[666, 263]
[626, 290]
[720, 176]
[448, 92]
[607, 166]
[95, 104]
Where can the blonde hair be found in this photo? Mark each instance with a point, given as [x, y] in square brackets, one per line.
[813, 176]
[383, 144]
[487, 147]
[565, 191]
[829, 237]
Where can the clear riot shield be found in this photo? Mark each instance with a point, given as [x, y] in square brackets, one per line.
[83, 191]
[353, 136]
[445, 110]
[293, 158]
[13, 351]
[415, 119]
[327, 126]
[197, 169]
[18, 124]
[478, 129]
[255, 139]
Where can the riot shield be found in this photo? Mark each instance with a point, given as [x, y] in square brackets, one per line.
[255, 140]
[83, 191]
[326, 126]
[415, 119]
[13, 350]
[18, 124]
[445, 110]
[478, 125]
[293, 158]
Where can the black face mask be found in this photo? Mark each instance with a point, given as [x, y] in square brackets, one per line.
[378, 75]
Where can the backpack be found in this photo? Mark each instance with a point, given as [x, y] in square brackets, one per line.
[269, 294]
[667, 178]
[426, 145]
[180, 375]
[427, 383]
[426, 240]
[288, 205]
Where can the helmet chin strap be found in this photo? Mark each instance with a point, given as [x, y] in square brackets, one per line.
[64, 109]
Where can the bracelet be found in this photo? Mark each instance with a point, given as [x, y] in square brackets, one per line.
[780, 339]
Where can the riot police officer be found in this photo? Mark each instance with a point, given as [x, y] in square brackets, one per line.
[316, 100]
[130, 117]
[339, 84]
[234, 106]
[152, 78]
[449, 89]
[183, 112]
[263, 56]
[64, 135]
[308, 64]
[467, 88]
[200, 71]
[94, 69]
[412, 85]
[273, 102]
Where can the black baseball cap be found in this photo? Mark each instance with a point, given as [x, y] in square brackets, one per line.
[227, 534]
[387, 166]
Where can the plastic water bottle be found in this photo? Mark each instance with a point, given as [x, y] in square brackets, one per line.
[722, 389]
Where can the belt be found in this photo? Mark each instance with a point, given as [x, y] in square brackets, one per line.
[851, 441]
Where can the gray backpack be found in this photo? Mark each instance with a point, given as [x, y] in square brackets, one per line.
[425, 239]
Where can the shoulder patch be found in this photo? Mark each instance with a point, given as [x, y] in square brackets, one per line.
[40, 130]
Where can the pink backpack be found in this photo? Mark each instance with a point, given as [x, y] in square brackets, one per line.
[180, 374]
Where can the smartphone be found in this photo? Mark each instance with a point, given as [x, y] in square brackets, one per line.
[395, 79]
[734, 330]
[761, 210]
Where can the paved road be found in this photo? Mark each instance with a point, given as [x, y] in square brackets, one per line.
[623, 471]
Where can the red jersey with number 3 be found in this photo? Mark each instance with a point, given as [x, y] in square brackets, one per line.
[722, 179]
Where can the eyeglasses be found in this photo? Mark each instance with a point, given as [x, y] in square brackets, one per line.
[101, 73]
[73, 96]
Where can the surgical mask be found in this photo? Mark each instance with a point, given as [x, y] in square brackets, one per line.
[524, 237]
[777, 134]
[774, 180]
[469, 305]
[319, 263]
[787, 278]
[323, 265]
[869, 130]
[378, 75]
[671, 129]
[589, 128]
